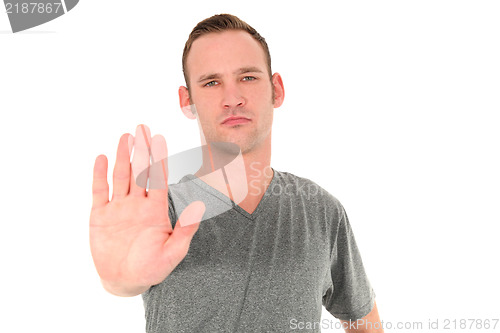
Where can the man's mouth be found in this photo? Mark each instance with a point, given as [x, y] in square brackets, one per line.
[235, 120]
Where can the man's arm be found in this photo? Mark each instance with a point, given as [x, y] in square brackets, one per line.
[368, 324]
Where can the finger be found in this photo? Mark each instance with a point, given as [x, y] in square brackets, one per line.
[121, 172]
[158, 173]
[100, 187]
[140, 160]
[177, 244]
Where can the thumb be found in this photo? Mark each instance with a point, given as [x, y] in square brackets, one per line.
[191, 216]
[185, 228]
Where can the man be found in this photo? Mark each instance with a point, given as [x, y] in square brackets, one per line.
[266, 262]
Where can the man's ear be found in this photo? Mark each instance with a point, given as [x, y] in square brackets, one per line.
[279, 90]
[187, 108]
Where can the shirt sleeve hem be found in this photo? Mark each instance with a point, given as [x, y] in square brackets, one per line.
[359, 312]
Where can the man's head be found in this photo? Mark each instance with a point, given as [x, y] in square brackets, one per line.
[228, 76]
[221, 23]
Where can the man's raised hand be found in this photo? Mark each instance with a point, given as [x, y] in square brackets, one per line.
[131, 237]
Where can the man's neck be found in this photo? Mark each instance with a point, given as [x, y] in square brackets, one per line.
[258, 176]
[244, 180]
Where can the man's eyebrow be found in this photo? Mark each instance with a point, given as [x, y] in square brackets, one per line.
[239, 71]
[244, 70]
[208, 77]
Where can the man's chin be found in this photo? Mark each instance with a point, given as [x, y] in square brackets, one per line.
[246, 144]
[243, 146]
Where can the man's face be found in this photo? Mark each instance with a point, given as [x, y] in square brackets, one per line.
[230, 87]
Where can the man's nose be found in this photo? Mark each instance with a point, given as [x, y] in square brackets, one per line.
[233, 97]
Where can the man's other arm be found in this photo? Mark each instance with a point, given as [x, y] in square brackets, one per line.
[368, 324]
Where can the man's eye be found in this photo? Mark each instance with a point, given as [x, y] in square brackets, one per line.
[249, 78]
[211, 84]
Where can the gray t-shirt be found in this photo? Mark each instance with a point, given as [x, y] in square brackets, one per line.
[265, 271]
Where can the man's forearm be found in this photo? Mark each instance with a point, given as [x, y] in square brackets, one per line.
[368, 324]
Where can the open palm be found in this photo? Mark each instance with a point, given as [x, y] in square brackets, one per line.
[131, 237]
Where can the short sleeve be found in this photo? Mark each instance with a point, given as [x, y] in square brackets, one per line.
[350, 295]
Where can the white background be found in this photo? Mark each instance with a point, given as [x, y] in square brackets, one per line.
[392, 106]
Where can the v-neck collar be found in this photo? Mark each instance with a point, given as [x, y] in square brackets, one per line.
[252, 216]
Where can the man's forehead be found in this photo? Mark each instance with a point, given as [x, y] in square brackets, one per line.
[217, 50]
